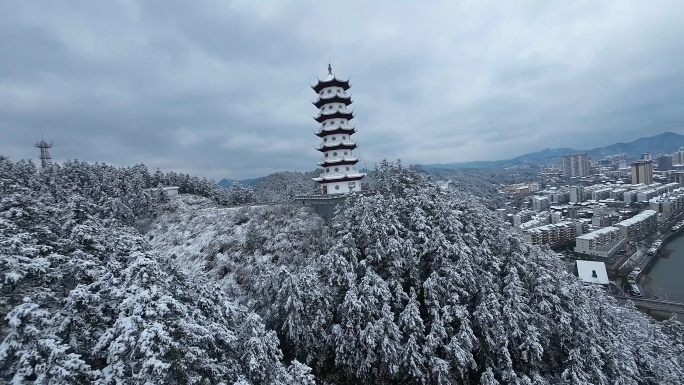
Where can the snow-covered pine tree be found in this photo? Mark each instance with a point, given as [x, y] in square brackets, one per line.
[491, 307]
[88, 302]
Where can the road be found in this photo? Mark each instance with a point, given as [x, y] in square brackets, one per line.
[653, 304]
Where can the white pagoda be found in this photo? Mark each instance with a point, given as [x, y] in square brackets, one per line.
[339, 175]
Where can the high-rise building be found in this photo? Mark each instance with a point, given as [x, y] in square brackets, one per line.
[665, 163]
[576, 194]
[679, 156]
[646, 156]
[575, 165]
[339, 175]
[642, 172]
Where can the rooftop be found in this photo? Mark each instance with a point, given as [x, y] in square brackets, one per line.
[637, 218]
[592, 272]
[599, 232]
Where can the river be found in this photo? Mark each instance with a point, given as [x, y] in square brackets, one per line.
[665, 277]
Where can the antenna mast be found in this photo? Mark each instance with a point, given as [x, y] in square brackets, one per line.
[44, 153]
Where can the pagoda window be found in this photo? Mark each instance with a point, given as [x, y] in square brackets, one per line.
[327, 170]
[330, 107]
[326, 154]
[329, 90]
[333, 122]
[337, 187]
[344, 138]
[333, 138]
[337, 169]
[347, 168]
[345, 153]
[324, 123]
[325, 139]
[334, 154]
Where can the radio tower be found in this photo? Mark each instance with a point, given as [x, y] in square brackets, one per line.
[44, 153]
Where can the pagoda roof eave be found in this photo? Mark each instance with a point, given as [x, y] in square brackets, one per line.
[333, 82]
[320, 102]
[337, 130]
[336, 146]
[339, 162]
[349, 115]
[340, 178]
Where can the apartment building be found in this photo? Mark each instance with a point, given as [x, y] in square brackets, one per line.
[600, 243]
[642, 172]
[557, 234]
[575, 165]
[668, 204]
[576, 194]
[639, 226]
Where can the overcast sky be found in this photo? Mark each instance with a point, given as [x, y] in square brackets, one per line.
[222, 89]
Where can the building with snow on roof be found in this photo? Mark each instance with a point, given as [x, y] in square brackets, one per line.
[592, 272]
[639, 226]
[339, 175]
[601, 243]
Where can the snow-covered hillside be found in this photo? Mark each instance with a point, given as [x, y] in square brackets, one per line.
[413, 286]
[237, 245]
[84, 299]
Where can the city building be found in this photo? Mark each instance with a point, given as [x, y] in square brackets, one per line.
[600, 194]
[522, 217]
[576, 194]
[642, 172]
[646, 156]
[665, 163]
[539, 220]
[601, 243]
[668, 204]
[639, 226]
[679, 177]
[679, 156]
[339, 175]
[523, 188]
[575, 165]
[557, 234]
[540, 203]
[592, 272]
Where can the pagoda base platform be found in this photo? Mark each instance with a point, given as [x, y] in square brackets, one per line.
[325, 205]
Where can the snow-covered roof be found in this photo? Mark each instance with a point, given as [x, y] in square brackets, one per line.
[598, 232]
[592, 272]
[637, 218]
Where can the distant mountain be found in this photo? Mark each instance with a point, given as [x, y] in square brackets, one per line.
[244, 182]
[665, 143]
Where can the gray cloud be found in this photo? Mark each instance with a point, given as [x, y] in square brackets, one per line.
[221, 89]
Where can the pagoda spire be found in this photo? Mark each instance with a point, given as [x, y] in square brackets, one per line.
[339, 175]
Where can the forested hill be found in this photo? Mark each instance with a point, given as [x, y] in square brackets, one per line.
[412, 286]
[407, 286]
[86, 300]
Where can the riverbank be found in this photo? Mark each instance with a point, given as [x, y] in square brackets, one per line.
[662, 274]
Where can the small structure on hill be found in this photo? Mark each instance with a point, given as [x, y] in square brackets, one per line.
[169, 191]
[44, 152]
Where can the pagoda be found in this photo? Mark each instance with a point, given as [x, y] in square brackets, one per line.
[339, 175]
